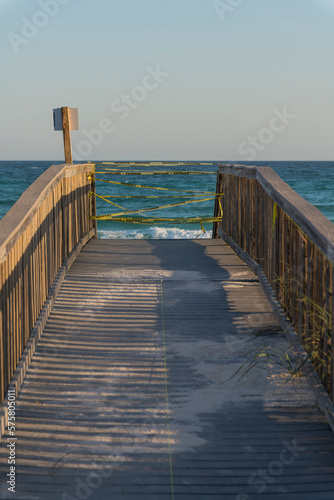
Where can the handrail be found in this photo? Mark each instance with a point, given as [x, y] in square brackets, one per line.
[293, 243]
[306, 216]
[36, 236]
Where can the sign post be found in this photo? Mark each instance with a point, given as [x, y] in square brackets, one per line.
[66, 119]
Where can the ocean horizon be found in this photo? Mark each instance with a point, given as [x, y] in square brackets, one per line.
[313, 180]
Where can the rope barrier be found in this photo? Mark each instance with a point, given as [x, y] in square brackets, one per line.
[170, 205]
[162, 172]
[151, 163]
[157, 220]
[124, 216]
[128, 184]
[121, 196]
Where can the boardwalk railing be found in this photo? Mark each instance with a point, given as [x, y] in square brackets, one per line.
[36, 236]
[293, 243]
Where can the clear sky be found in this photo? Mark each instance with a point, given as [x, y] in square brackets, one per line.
[217, 80]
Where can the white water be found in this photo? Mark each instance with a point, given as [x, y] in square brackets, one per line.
[157, 233]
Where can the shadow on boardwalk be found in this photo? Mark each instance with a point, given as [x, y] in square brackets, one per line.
[126, 397]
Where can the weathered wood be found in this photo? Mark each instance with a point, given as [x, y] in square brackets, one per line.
[93, 203]
[18, 218]
[2, 340]
[294, 245]
[67, 136]
[36, 236]
[135, 320]
[312, 222]
[219, 189]
[331, 335]
[6, 323]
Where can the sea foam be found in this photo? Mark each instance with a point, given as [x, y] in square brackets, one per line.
[155, 233]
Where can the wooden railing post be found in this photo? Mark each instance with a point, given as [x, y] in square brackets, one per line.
[66, 119]
[67, 136]
[219, 189]
[275, 229]
[93, 204]
[2, 340]
[50, 220]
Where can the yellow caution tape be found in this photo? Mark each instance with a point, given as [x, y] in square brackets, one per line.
[220, 205]
[108, 201]
[155, 187]
[141, 210]
[154, 173]
[275, 215]
[157, 220]
[197, 196]
[115, 196]
[151, 163]
[91, 174]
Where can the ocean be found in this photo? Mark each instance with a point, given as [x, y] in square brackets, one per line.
[312, 180]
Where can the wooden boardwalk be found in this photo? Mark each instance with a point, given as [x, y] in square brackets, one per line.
[126, 396]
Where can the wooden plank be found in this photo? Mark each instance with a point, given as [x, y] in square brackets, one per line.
[311, 252]
[252, 239]
[20, 296]
[77, 210]
[64, 206]
[30, 236]
[30, 286]
[25, 292]
[81, 206]
[58, 232]
[331, 374]
[18, 218]
[33, 289]
[294, 277]
[216, 211]
[278, 250]
[6, 312]
[11, 352]
[327, 327]
[262, 229]
[42, 260]
[304, 234]
[246, 224]
[270, 258]
[238, 202]
[2, 340]
[314, 224]
[256, 255]
[15, 306]
[50, 242]
[101, 390]
[301, 275]
[67, 135]
[93, 204]
[284, 258]
[225, 201]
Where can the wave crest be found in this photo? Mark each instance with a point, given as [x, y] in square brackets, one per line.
[154, 233]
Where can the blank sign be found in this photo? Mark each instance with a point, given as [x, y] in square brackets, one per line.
[58, 119]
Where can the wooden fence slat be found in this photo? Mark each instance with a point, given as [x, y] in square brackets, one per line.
[2, 333]
[7, 322]
[294, 245]
[36, 235]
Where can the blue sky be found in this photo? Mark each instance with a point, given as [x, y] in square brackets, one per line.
[225, 80]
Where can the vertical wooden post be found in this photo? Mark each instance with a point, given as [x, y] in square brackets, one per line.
[93, 205]
[332, 334]
[67, 136]
[219, 189]
[2, 343]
